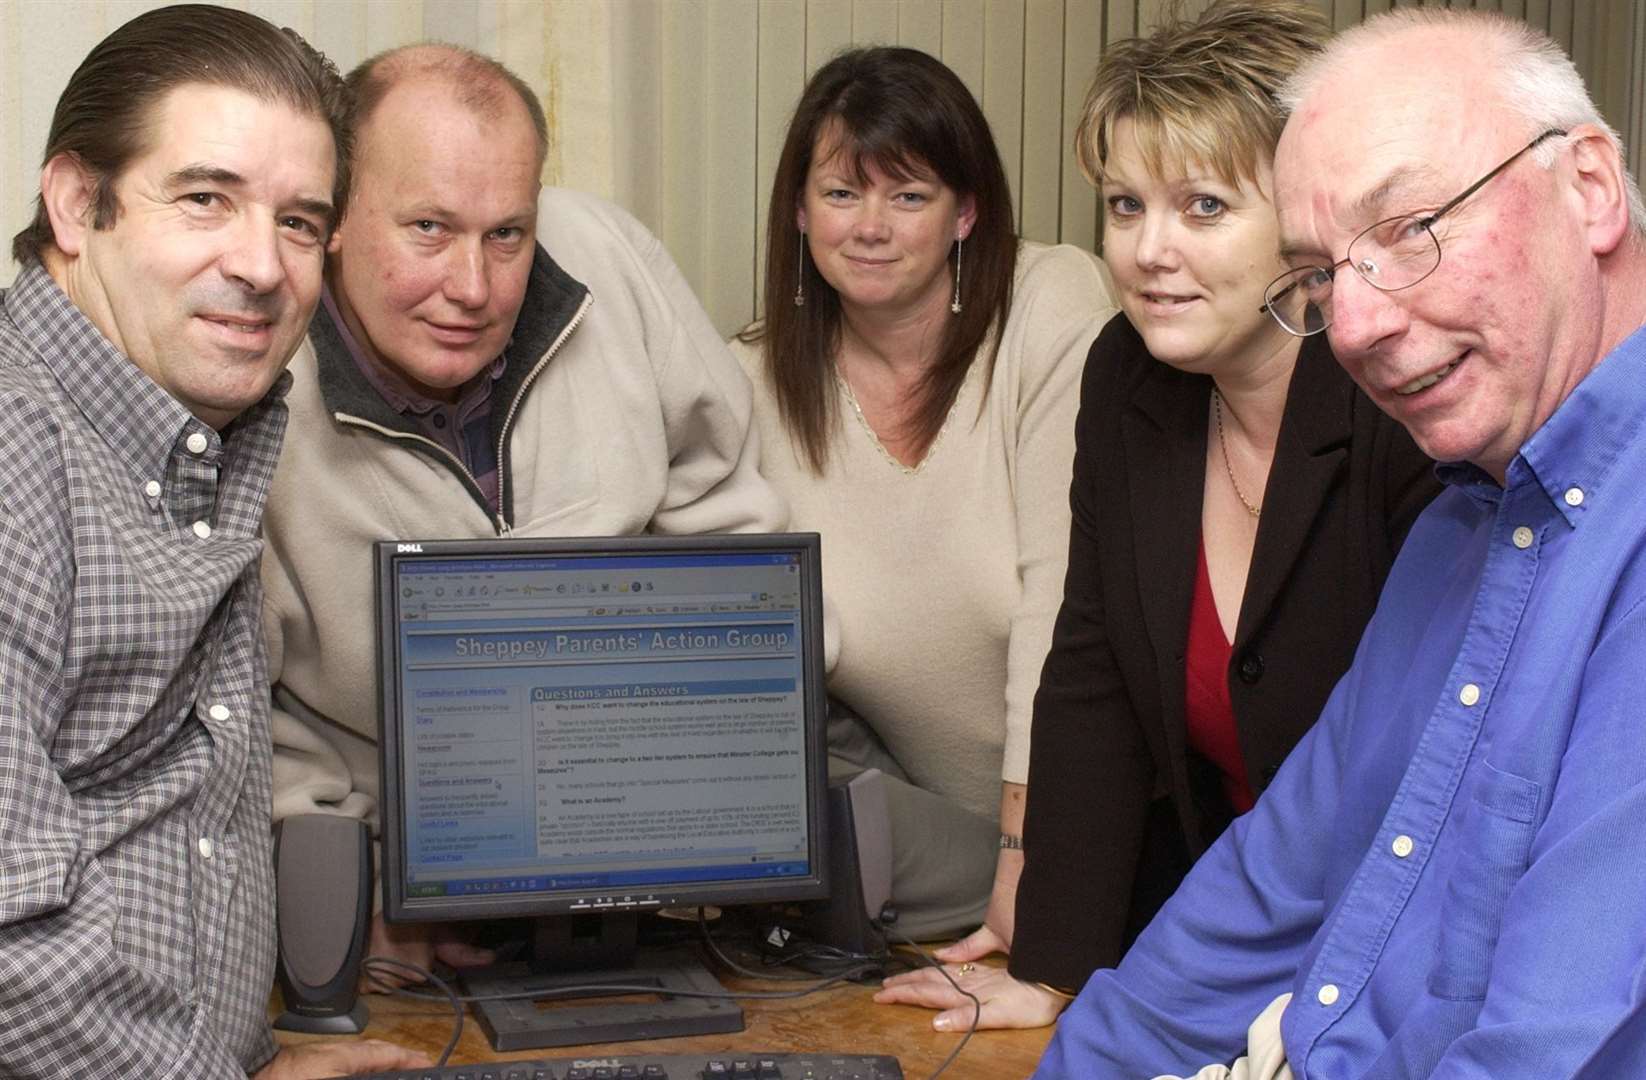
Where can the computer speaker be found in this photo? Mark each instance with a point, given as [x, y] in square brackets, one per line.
[323, 905]
[860, 867]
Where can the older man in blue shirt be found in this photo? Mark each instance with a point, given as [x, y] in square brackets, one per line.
[1449, 874]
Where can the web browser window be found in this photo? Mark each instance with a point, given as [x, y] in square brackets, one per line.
[608, 725]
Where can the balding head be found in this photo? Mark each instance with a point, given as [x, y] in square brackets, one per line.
[430, 266]
[1530, 279]
[1489, 59]
[476, 82]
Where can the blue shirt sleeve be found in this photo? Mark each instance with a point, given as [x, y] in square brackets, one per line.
[1228, 942]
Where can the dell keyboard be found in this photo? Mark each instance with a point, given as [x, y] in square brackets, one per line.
[669, 1067]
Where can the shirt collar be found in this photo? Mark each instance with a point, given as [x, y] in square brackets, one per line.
[1577, 449]
[395, 391]
[130, 412]
[1572, 456]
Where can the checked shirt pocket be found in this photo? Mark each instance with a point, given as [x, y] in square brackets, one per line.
[1494, 842]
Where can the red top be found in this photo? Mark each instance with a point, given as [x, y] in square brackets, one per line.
[1207, 708]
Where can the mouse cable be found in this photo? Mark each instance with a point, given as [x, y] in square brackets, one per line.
[977, 1006]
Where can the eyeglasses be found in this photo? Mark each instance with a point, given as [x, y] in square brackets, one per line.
[1393, 254]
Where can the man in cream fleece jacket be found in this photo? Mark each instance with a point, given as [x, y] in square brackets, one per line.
[460, 380]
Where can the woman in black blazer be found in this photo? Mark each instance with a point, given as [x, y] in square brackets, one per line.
[1237, 503]
[1119, 802]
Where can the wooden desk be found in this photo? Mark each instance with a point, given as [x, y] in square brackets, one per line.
[842, 1018]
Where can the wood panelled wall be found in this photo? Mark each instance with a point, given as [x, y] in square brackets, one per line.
[676, 109]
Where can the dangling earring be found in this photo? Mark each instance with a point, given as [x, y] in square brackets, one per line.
[959, 246]
[800, 275]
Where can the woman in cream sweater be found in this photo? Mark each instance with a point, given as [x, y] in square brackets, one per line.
[916, 379]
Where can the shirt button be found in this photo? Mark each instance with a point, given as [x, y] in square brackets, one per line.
[1574, 496]
[1251, 668]
[206, 850]
[1327, 995]
[219, 712]
[152, 489]
[196, 443]
[1402, 846]
[202, 530]
[1469, 694]
[1523, 538]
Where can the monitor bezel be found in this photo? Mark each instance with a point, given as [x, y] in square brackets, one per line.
[397, 907]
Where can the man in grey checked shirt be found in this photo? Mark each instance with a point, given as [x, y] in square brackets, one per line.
[191, 179]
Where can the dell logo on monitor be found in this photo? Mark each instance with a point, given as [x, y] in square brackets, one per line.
[408, 549]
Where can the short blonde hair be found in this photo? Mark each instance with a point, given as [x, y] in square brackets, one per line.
[1201, 92]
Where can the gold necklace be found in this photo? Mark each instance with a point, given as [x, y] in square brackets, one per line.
[1223, 445]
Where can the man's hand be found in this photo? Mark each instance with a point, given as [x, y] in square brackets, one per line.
[316, 1061]
[1007, 1002]
[421, 944]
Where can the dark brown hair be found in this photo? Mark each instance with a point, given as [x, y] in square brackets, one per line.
[104, 115]
[907, 115]
[479, 80]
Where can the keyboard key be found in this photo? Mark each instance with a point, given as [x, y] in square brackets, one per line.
[757, 1066]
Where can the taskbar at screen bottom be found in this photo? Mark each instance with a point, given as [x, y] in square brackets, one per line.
[629, 881]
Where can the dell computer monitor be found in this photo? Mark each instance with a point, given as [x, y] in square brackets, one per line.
[600, 727]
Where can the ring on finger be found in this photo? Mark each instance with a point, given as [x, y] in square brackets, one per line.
[967, 968]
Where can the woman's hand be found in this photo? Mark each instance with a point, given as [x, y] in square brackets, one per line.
[974, 946]
[999, 919]
[995, 935]
[1006, 1002]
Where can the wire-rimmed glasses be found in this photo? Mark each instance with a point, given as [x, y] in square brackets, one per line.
[1392, 254]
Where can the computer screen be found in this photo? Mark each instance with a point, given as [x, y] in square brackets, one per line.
[600, 725]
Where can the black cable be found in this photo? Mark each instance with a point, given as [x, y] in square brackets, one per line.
[601, 989]
[859, 963]
[715, 950]
[456, 1000]
[977, 1006]
[373, 963]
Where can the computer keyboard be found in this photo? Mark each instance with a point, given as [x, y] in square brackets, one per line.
[669, 1067]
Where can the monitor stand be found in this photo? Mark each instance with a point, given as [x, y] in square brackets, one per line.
[595, 951]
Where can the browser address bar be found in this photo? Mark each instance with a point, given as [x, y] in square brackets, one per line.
[538, 603]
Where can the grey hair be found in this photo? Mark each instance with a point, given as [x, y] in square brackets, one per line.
[1536, 80]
